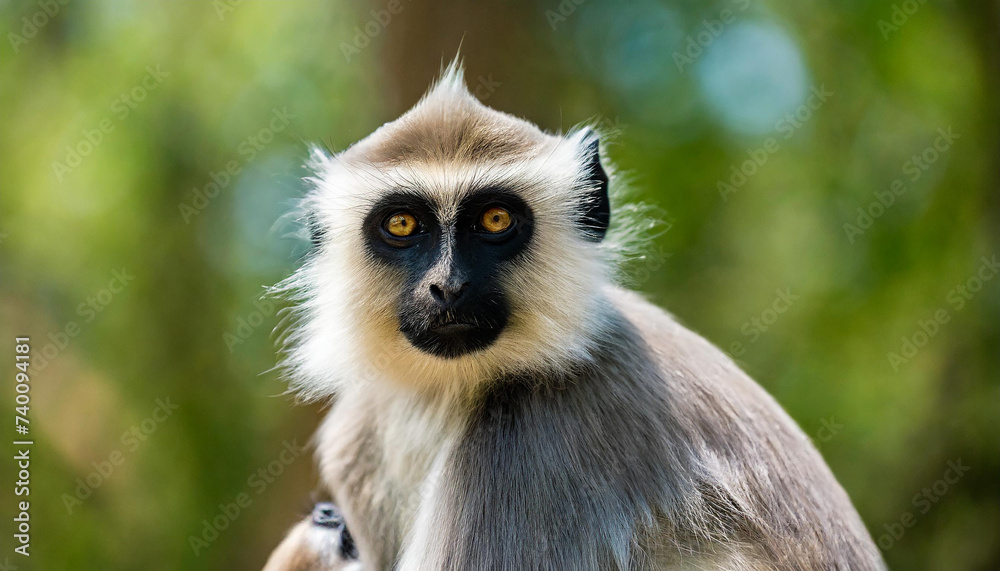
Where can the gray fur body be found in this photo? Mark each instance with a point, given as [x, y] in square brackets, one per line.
[659, 453]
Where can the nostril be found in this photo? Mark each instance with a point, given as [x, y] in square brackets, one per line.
[437, 293]
[447, 294]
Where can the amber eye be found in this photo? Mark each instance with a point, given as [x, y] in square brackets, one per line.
[401, 224]
[495, 220]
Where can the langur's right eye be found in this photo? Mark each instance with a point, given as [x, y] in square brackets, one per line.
[401, 224]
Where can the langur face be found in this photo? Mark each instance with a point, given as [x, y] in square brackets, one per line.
[452, 262]
[452, 246]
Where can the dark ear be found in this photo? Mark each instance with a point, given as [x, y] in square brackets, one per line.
[316, 231]
[597, 214]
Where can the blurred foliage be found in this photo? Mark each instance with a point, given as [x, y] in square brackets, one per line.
[160, 98]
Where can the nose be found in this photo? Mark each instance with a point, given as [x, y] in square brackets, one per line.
[448, 293]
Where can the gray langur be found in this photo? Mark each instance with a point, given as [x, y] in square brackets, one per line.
[499, 402]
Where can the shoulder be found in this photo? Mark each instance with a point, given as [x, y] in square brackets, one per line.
[685, 361]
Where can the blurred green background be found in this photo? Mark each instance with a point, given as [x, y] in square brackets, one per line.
[121, 118]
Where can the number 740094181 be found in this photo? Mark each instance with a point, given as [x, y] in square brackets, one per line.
[22, 355]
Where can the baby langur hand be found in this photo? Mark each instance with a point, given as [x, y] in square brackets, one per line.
[321, 542]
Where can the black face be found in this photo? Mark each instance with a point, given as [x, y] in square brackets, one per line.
[452, 302]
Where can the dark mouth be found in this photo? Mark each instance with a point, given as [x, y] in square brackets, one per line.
[452, 336]
[448, 323]
[454, 328]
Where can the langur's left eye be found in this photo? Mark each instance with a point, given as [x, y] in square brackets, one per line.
[495, 220]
